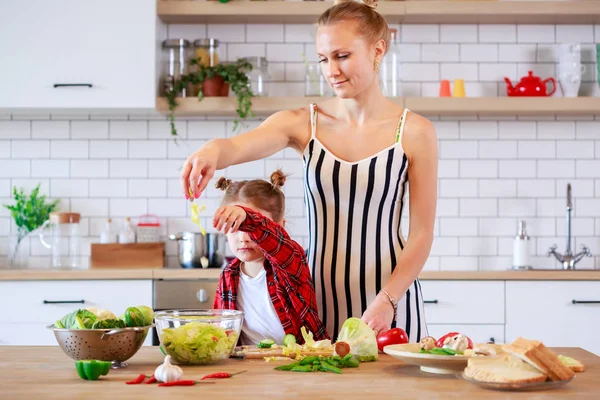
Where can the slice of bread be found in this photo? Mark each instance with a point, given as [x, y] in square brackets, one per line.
[502, 369]
[539, 356]
[573, 364]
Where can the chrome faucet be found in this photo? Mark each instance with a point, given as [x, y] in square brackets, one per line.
[568, 259]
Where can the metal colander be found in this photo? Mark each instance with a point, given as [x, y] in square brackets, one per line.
[116, 345]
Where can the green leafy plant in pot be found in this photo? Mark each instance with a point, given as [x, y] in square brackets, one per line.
[29, 212]
[213, 81]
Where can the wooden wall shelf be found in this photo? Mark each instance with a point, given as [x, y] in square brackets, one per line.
[469, 106]
[408, 12]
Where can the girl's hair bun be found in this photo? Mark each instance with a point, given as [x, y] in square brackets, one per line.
[223, 183]
[369, 3]
[278, 179]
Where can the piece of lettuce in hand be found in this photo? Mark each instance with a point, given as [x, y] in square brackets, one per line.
[147, 314]
[101, 313]
[108, 324]
[79, 319]
[361, 338]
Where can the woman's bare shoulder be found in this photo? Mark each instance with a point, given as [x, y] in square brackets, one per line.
[295, 124]
[419, 134]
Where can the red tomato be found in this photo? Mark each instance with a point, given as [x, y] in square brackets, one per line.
[440, 341]
[393, 336]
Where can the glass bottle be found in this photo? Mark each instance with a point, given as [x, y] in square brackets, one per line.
[175, 54]
[259, 76]
[390, 68]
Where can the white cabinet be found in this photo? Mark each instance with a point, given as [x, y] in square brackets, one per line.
[463, 302]
[553, 312]
[109, 44]
[27, 307]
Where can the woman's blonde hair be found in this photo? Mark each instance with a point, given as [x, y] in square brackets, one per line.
[369, 23]
[259, 193]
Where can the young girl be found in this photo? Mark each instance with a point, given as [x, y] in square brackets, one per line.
[269, 279]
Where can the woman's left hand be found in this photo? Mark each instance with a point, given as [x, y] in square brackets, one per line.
[379, 315]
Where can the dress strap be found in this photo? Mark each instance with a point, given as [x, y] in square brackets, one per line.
[313, 120]
[400, 127]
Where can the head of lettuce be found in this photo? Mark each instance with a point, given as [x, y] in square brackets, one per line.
[361, 338]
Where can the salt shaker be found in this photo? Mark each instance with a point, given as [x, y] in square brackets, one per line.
[521, 249]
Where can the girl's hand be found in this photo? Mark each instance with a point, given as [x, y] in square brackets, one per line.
[379, 315]
[198, 170]
[229, 218]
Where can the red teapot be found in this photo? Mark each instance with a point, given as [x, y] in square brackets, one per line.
[530, 85]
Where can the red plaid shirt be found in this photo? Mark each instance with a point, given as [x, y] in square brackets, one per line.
[288, 278]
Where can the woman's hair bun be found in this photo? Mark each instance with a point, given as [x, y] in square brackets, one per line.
[223, 183]
[369, 3]
[278, 178]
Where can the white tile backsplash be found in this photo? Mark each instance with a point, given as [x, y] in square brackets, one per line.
[493, 171]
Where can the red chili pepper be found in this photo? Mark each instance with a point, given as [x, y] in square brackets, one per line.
[137, 380]
[151, 380]
[221, 375]
[179, 383]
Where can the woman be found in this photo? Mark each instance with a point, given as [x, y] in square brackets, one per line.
[359, 151]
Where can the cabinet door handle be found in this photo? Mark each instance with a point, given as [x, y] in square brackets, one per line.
[492, 340]
[586, 301]
[430, 301]
[64, 301]
[58, 85]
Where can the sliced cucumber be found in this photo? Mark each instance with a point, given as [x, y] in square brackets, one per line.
[266, 344]
[289, 339]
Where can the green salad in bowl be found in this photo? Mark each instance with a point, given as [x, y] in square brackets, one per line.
[198, 336]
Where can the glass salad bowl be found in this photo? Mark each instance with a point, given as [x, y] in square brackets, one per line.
[198, 336]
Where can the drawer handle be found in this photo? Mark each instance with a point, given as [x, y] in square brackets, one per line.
[586, 301]
[430, 301]
[64, 301]
[492, 340]
[59, 85]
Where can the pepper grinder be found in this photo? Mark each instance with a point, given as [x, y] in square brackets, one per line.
[521, 249]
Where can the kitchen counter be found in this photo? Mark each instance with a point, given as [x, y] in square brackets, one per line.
[46, 372]
[180, 273]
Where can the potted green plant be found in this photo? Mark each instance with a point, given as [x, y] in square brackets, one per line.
[216, 81]
[29, 212]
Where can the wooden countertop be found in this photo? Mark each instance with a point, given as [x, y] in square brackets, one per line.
[180, 273]
[46, 372]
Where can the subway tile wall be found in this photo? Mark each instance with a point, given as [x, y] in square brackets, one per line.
[492, 171]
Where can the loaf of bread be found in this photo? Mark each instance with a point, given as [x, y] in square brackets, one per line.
[540, 357]
[505, 368]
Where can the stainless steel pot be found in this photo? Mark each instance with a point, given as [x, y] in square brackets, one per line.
[200, 251]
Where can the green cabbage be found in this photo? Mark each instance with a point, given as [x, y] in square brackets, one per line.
[133, 317]
[108, 324]
[80, 319]
[361, 338]
[198, 343]
[147, 314]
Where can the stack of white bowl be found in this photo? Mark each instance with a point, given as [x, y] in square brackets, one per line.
[570, 68]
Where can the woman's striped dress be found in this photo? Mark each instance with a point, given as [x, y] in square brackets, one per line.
[354, 212]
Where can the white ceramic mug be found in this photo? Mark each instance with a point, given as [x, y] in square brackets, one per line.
[570, 84]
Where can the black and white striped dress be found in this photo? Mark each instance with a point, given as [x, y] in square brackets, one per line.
[354, 214]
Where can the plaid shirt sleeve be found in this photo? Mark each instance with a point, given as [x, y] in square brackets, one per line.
[275, 242]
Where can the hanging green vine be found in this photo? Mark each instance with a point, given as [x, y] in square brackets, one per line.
[233, 73]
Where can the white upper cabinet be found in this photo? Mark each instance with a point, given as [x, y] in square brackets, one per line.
[75, 54]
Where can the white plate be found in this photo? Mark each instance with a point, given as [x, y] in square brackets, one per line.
[409, 353]
[547, 385]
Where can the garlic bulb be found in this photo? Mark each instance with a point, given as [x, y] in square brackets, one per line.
[167, 372]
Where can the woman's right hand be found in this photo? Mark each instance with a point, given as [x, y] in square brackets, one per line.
[198, 170]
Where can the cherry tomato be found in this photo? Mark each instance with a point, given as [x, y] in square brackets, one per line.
[440, 341]
[393, 336]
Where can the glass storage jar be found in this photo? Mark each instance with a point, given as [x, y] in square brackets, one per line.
[315, 83]
[63, 240]
[390, 68]
[175, 56]
[206, 51]
[259, 76]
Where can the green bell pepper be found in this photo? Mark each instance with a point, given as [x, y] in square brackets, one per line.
[91, 370]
